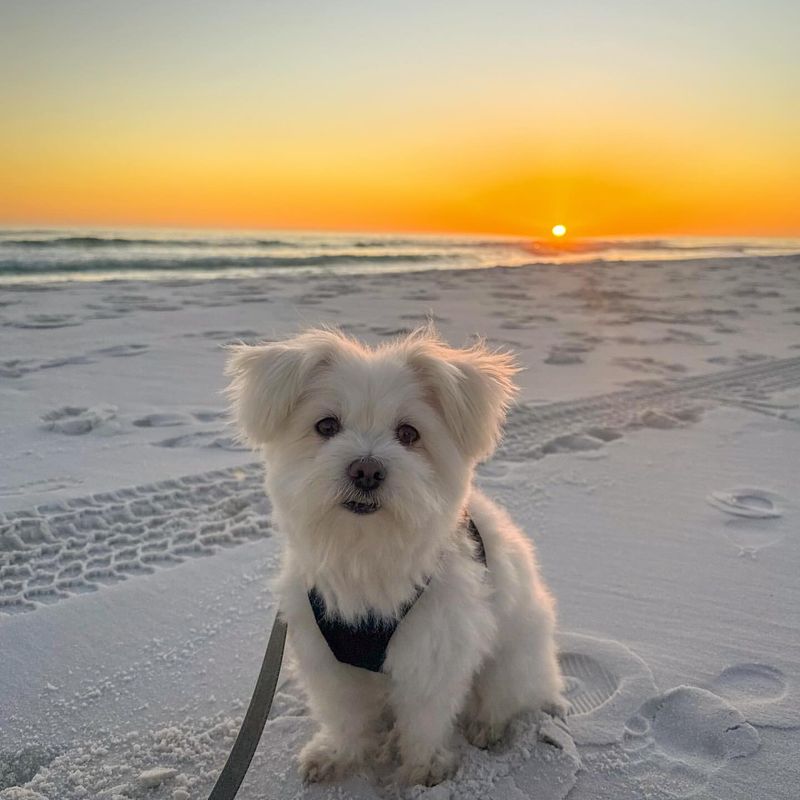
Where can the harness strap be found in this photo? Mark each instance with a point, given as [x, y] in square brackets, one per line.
[472, 530]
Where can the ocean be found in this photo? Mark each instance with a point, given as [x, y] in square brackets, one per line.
[34, 255]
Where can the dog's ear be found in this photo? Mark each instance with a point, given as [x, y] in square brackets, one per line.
[268, 380]
[471, 388]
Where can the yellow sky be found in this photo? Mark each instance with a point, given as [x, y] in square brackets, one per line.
[469, 117]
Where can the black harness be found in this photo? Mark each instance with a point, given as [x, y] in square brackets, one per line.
[363, 643]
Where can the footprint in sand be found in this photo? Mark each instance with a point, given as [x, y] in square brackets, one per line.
[389, 331]
[588, 683]
[16, 367]
[210, 414]
[762, 692]
[228, 337]
[605, 684]
[562, 356]
[213, 439]
[679, 739]
[662, 420]
[44, 321]
[123, 350]
[754, 518]
[45, 485]
[77, 420]
[652, 365]
[572, 443]
[165, 420]
[745, 683]
[572, 350]
[747, 502]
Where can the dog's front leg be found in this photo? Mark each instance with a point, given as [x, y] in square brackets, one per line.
[348, 703]
[431, 662]
[424, 725]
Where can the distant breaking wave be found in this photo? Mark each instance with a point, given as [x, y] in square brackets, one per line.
[19, 267]
[104, 241]
[334, 243]
[604, 245]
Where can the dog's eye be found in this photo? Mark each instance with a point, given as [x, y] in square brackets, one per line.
[328, 427]
[407, 435]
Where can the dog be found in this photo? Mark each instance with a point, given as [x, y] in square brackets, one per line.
[370, 458]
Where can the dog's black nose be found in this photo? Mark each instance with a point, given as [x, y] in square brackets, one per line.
[367, 473]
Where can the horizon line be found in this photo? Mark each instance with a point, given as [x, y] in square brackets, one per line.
[344, 231]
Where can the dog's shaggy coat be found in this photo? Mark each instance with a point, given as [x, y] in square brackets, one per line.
[478, 645]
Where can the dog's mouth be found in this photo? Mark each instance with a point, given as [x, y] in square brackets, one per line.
[360, 507]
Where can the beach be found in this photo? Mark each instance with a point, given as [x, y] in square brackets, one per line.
[652, 457]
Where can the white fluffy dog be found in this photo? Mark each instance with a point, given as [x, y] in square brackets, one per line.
[370, 459]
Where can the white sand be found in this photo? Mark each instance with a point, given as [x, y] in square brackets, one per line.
[654, 458]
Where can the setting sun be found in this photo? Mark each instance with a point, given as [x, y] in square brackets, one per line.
[559, 230]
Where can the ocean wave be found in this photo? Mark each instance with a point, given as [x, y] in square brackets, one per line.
[116, 241]
[545, 248]
[15, 266]
[336, 243]
[53, 239]
[542, 247]
[439, 243]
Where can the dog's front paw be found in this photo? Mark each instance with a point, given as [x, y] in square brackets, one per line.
[482, 734]
[319, 762]
[386, 748]
[557, 708]
[440, 767]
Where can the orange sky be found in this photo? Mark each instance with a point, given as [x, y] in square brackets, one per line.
[469, 117]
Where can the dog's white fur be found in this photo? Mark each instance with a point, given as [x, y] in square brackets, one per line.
[478, 645]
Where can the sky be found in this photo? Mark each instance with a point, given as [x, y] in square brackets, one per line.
[621, 117]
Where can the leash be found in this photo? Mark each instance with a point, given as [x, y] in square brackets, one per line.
[244, 747]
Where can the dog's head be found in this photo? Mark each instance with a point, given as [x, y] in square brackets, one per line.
[385, 434]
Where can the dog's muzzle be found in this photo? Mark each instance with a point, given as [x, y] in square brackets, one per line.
[358, 507]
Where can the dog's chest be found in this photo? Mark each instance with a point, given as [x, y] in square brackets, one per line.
[364, 643]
